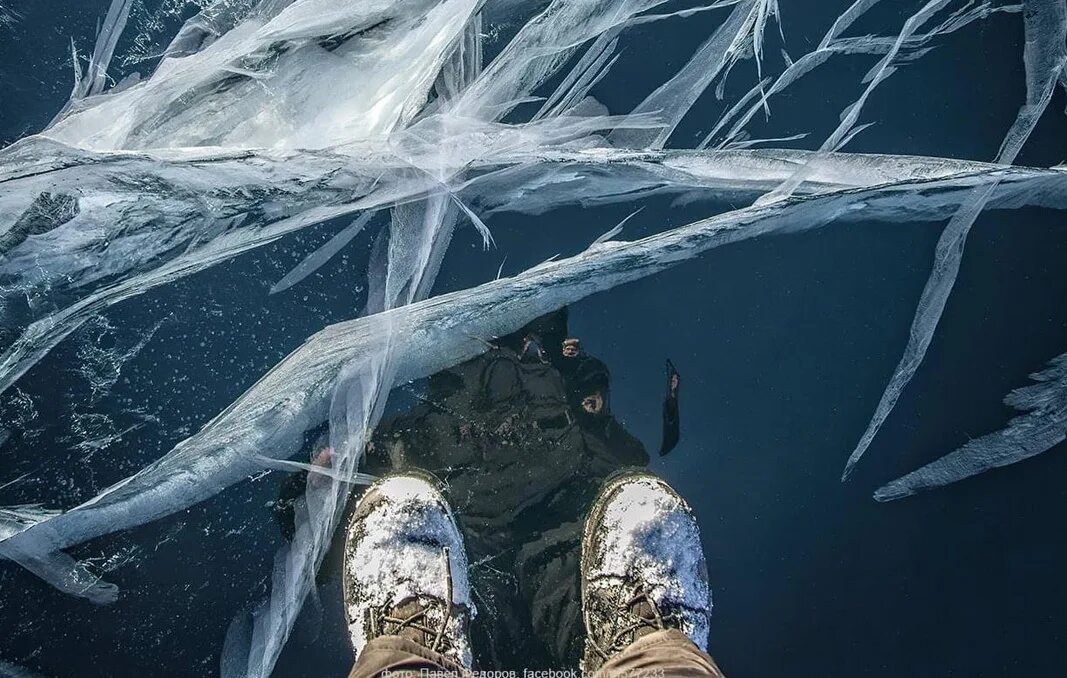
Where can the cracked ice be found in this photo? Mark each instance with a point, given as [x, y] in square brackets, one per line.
[239, 138]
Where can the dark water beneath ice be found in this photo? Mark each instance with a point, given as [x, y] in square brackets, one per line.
[784, 345]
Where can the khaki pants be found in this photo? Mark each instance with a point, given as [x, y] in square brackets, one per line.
[663, 654]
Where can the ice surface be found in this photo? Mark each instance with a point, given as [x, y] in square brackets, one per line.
[914, 45]
[128, 222]
[270, 81]
[8, 670]
[428, 336]
[240, 137]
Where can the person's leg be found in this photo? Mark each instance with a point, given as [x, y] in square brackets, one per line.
[406, 592]
[645, 596]
[660, 654]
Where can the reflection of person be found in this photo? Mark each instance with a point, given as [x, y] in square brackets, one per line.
[645, 597]
[523, 436]
[588, 384]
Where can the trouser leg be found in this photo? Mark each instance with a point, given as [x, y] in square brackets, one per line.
[667, 654]
[402, 658]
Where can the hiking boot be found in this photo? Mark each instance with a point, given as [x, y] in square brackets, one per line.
[643, 568]
[405, 569]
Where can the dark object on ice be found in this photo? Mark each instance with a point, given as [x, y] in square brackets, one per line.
[48, 211]
[671, 421]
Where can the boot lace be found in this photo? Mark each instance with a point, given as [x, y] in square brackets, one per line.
[423, 619]
[638, 613]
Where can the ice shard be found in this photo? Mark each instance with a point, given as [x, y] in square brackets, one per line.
[1045, 57]
[540, 49]
[166, 215]
[1043, 426]
[57, 568]
[912, 47]
[740, 34]
[849, 117]
[428, 336]
[419, 236]
[94, 81]
[316, 259]
[266, 82]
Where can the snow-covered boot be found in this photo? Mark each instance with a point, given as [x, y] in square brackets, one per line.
[405, 569]
[643, 568]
